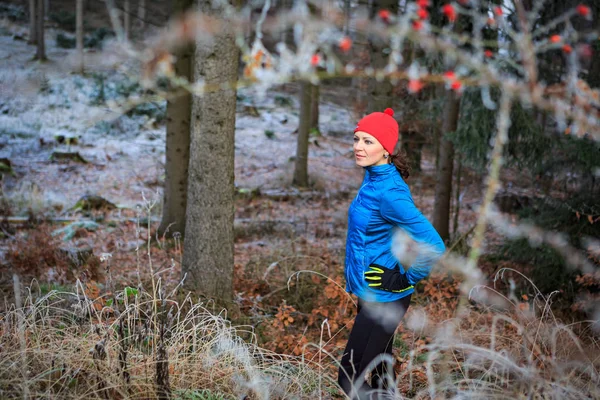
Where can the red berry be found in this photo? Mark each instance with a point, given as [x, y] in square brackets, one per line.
[491, 21]
[423, 3]
[583, 10]
[498, 11]
[345, 44]
[422, 13]
[488, 53]
[449, 11]
[450, 75]
[417, 25]
[384, 15]
[555, 38]
[456, 86]
[463, 2]
[315, 59]
[415, 85]
[567, 48]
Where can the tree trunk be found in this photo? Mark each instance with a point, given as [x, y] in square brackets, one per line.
[438, 93]
[208, 245]
[301, 167]
[142, 13]
[443, 186]
[179, 111]
[380, 92]
[41, 48]
[314, 109]
[347, 16]
[32, 23]
[457, 198]
[126, 19]
[79, 35]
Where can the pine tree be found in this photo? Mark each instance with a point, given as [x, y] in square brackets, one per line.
[179, 112]
[208, 245]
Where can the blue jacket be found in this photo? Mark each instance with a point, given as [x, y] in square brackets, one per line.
[383, 203]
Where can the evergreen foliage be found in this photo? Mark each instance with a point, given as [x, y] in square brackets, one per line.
[64, 41]
[13, 13]
[541, 152]
[570, 217]
[64, 19]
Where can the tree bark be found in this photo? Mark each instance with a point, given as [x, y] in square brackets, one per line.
[79, 35]
[32, 23]
[40, 43]
[208, 245]
[380, 92]
[443, 186]
[314, 109]
[301, 166]
[179, 111]
[126, 19]
[142, 13]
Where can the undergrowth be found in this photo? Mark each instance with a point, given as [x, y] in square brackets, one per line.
[138, 344]
[133, 343]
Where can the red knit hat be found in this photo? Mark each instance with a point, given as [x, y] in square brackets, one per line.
[382, 126]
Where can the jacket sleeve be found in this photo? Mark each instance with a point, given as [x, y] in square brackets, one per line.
[398, 208]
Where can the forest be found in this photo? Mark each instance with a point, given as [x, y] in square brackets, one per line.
[176, 178]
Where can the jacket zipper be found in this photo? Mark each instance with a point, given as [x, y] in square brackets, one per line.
[360, 190]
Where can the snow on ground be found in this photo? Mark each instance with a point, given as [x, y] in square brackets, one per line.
[43, 102]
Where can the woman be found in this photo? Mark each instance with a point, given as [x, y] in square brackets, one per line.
[373, 274]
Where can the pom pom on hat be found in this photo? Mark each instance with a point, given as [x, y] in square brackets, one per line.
[382, 126]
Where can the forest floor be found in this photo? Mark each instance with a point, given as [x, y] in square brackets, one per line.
[280, 231]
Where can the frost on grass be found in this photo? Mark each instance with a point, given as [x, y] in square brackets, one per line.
[107, 346]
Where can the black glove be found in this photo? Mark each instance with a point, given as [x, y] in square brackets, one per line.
[390, 280]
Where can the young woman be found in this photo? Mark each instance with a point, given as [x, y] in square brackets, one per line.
[373, 274]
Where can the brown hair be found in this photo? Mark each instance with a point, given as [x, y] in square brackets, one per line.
[401, 163]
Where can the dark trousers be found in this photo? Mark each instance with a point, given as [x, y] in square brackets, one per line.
[371, 336]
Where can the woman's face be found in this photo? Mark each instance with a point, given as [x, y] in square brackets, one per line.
[368, 151]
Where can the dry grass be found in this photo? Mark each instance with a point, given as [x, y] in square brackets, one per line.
[501, 347]
[138, 345]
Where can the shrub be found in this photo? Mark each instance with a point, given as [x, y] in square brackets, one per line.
[549, 269]
[153, 110]
[13, 12]
[96, 37]
[65, 42]
[39, 256]
[64, 19]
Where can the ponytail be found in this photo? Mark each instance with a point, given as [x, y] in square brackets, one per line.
[401, 163]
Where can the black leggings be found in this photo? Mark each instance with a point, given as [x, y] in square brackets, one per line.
[371, 335]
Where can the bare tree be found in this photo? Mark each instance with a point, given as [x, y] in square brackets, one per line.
[314, 108]
[301, 166]
[142, 13]
[126, 19]
[41, 48]
[79, 35]
[380, 91]
[32, 23]
[179, 112]
[443, 186]
[208, 245]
